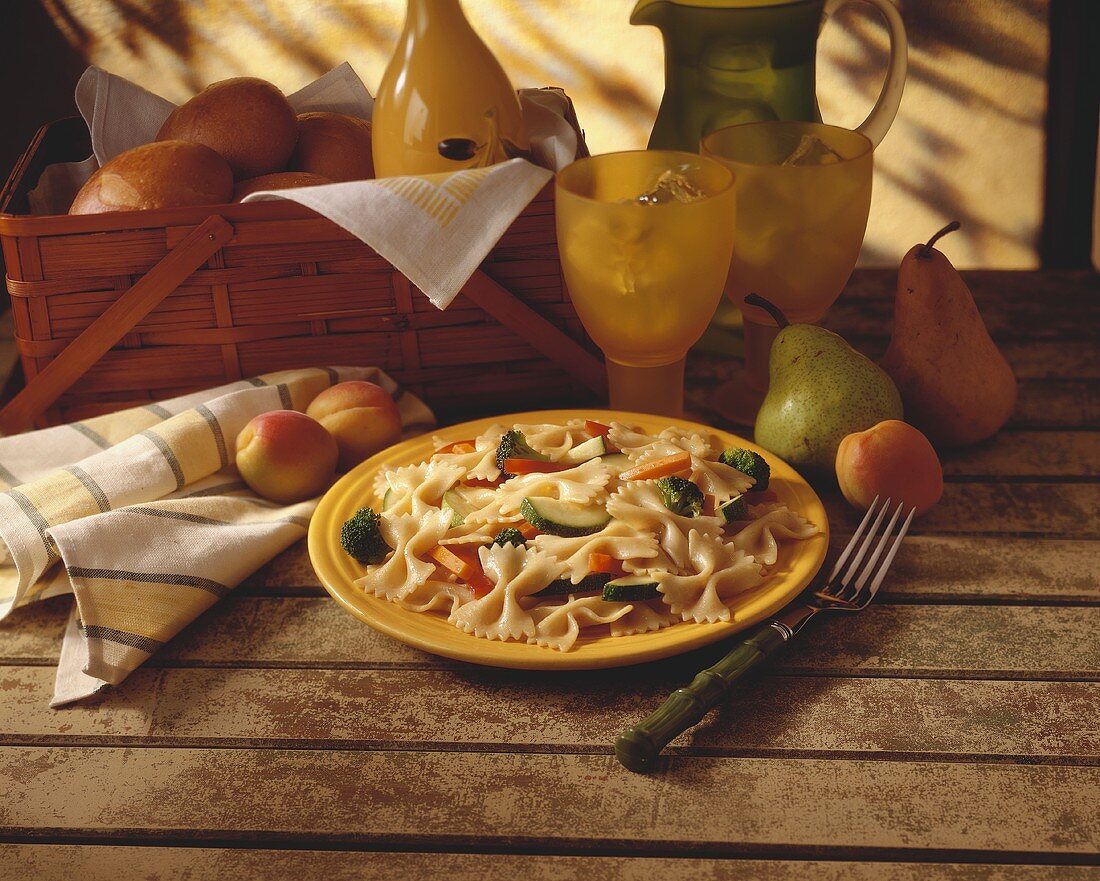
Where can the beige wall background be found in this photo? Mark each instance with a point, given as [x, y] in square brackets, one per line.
[967, 144]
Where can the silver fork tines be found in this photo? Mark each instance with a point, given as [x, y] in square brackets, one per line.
[839, 590]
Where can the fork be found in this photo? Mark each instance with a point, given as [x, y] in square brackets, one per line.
[850, 587]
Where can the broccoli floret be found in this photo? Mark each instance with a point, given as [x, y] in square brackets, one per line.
[509, 536]
[362, 538]
[747, 462]
[514, 446]
[681, 496]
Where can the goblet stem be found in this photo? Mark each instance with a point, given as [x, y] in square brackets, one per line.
[658, 390]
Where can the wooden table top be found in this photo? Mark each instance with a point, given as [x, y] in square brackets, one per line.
[950, 731]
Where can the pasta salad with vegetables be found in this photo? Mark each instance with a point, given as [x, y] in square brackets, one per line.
[538, 532]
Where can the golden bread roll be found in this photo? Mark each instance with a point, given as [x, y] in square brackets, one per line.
[280, 180]
[246, 120]
[164, 174]
[334, 145]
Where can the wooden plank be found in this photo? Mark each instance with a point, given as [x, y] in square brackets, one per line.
[509, 712]
[1020, 317]
[561, 803]
[990, 287]
[1057, 510]
[1057, 404]
[109, 863]
[1038, 642]
[1022, 454]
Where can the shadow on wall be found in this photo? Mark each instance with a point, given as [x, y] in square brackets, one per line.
[968, 143]
[955, 55]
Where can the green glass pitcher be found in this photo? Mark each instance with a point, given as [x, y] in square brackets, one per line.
[734, 61]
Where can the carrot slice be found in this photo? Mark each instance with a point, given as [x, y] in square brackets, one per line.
[710, 505]
[533, 466]
[453, 446]
[598, 562]
[663, 467]
[452, 562]
[596, 429]
[525, 529]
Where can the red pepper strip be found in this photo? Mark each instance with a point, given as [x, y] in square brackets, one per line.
[450, 448]
[598, 429]
[477, 481]
[710, 505]
[598, 562]
[480, 585]
[533, 466]
[526, 529]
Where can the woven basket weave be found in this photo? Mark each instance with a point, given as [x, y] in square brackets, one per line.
[117, 310]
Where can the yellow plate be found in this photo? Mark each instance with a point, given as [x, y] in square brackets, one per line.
[797, 564]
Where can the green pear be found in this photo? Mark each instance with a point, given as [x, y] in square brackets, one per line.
[820, 391]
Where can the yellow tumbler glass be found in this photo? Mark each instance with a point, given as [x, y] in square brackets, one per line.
[645, 239]
[803, 195]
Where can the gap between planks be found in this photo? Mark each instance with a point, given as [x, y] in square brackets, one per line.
[797, 857]
[203, 863]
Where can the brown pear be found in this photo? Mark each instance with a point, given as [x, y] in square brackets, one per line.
[957, 386]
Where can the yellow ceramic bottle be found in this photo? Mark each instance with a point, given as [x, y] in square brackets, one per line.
[444, 103]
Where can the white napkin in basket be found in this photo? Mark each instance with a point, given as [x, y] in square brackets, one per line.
[142, 515]
[436, 229]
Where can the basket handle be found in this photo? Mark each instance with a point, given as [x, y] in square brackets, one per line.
[115, 322]
[526, 323]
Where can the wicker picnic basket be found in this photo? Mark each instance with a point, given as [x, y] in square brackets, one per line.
[117, 310]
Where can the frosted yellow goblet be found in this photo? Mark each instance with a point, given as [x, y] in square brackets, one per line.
[645, 239]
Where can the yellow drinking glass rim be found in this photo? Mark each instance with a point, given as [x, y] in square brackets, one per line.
[720, 4]
[683, 155]
[807, 126]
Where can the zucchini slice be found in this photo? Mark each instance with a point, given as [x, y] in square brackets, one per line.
[631, 589]
[388, 499]
[591, 583]
[460, 501]
[567, 519]
[616, 462]
[734, 509]
[590, 449]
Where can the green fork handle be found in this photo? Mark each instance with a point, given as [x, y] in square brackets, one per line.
[638, 747]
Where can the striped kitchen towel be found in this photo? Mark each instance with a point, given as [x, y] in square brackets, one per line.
[142, 516]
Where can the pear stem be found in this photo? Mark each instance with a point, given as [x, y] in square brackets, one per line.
[769, 307]
[926, 251]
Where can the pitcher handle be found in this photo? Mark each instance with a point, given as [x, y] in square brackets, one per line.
[882, 115]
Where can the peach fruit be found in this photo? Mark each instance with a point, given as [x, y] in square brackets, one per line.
[361, 416]
[285, 456]
[892, 460]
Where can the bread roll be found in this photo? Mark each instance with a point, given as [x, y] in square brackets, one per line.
[164, 174]
[246, 120]
[280, 180]
[334, 145]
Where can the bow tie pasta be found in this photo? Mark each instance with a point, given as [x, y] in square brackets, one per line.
[553, 533]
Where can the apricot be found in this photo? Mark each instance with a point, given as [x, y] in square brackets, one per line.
[361, 416]
[892, 460]
[286, 456]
